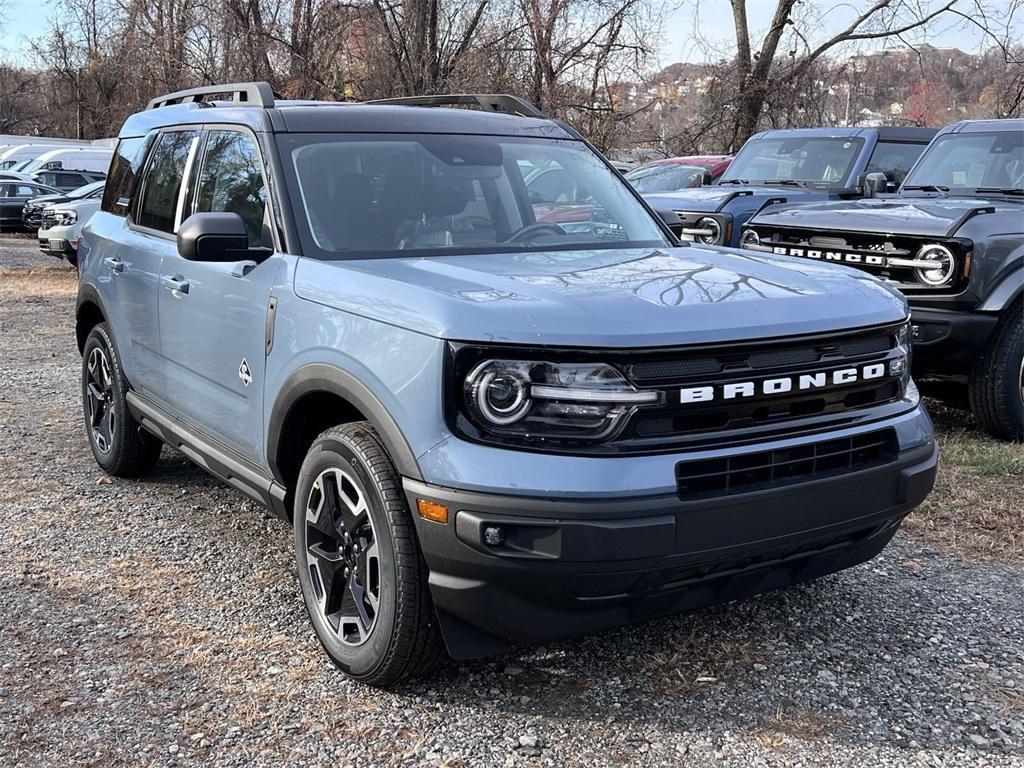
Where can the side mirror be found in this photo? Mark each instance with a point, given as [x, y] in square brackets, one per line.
[671, 219]
[874, 184]
[214, 237]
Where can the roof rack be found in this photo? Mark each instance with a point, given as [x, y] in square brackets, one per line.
[254, 94]
[491, 102]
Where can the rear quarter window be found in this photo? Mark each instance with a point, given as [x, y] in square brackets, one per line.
[125, 167]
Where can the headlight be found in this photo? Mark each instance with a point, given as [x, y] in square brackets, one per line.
[945, 264]
[530, 401]
[900, 366]
[750, 239]
[709, 231]
[63, 218]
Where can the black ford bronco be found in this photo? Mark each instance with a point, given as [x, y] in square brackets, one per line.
[952, 240]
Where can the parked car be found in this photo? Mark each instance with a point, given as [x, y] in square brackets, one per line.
[32, 213]
[61, 227]
[14, 195]
[93, 160]
[802, 165]
[953, 242]
[15, 158]
[675, 173]
[485, 429]
[67, 181]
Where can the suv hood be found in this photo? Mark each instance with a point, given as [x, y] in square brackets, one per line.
[714, 198]
[927, 216]
[603, 298]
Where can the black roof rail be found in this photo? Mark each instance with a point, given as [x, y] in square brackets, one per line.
[255, 94]
[491, 102]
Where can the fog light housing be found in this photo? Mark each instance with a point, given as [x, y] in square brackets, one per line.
[494, 536]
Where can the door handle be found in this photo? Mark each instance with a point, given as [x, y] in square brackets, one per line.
[114, 265]
[176, 283]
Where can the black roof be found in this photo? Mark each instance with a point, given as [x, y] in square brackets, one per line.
[254, 106]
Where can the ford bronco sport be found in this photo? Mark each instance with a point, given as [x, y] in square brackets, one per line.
[953, 242]
[485, 429]
[804, 165]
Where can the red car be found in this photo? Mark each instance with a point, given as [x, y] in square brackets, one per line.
[678, 173]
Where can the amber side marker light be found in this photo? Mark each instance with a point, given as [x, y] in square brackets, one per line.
[431, 510]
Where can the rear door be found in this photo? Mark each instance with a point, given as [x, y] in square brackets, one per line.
[213, 316]
[10, 206]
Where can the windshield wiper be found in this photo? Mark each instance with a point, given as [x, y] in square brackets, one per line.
[733, 181]
[1001, 190]
[927, 187]
[787, 182]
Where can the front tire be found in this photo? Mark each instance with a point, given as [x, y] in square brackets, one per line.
[119, 446]
[997, 379]
[363, 579]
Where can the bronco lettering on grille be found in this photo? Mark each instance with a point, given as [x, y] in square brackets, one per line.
[780, 385]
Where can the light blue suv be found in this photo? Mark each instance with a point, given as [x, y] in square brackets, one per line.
[490, 420]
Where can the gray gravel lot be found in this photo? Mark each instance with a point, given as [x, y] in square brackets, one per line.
[159, 623]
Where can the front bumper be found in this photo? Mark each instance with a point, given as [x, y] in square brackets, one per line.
[947, 341]
[55, 242]
[569, 566]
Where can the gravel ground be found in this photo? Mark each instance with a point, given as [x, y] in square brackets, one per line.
[159, 623]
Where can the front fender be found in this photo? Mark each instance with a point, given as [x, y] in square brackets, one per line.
[320, 377]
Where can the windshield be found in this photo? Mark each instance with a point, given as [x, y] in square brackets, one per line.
[811, 160]
[667, 177]
[971, 161]
[21, 166]
[423, 195]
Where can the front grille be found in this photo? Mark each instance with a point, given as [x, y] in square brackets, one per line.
[669, 368]
[884, 256]
[761, 470]
[724, 419]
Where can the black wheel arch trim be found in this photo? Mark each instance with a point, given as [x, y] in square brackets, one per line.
[87, 294]
[320, 377]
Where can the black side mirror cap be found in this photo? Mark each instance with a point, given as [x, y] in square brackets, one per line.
[874, 183]
[217, 236]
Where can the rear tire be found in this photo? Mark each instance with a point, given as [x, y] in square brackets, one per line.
[119, 446]
[363, 578]
[997, 379]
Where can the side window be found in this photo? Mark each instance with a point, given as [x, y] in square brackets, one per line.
[232, 181]
[26, 191]
[159, 208]
[894, 159]
[125, 167]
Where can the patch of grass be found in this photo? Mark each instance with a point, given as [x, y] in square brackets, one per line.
[795, 722]
[38, 281]
[977, 507]
[696, 661]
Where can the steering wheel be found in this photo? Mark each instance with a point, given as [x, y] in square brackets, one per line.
[537, 228]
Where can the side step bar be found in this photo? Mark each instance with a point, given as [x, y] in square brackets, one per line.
[215, 460]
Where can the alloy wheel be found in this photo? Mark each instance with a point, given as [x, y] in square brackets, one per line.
[100, 397]
[342, 556]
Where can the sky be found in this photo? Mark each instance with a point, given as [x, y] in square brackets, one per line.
[680, 43]
[25, 19]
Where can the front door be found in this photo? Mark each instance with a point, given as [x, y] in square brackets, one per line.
[213, 315]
